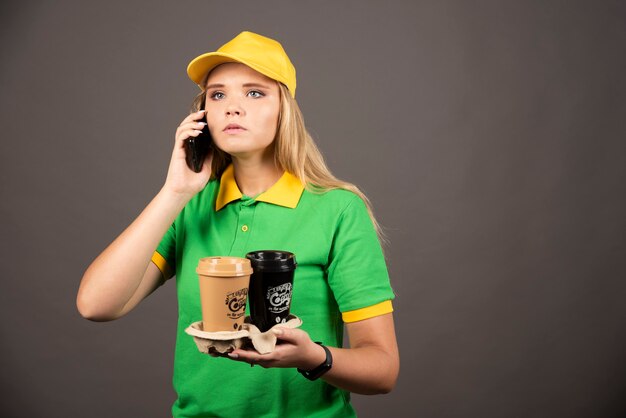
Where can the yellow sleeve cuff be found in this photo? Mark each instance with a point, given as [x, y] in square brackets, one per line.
[368, 312]
[162, 265]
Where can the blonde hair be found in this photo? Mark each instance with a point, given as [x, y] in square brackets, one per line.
[294, 151]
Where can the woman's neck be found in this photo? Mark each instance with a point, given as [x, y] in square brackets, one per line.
[255, 177]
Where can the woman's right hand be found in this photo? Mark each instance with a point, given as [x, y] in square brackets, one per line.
[180, 178]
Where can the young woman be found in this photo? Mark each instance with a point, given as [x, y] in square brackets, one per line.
[264, 186]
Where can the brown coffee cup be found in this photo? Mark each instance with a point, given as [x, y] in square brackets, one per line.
[224, 285]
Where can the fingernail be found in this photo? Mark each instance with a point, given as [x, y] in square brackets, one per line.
[202, 123]
[233, 355]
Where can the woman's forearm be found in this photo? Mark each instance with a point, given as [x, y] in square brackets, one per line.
[363, 370]
[114, 276]
[372, 364]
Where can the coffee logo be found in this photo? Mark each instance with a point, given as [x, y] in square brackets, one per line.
[236, 302]
[279, 298]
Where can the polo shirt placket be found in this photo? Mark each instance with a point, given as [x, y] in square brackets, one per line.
[245, 224]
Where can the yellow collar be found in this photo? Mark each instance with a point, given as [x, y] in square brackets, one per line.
[285, 192]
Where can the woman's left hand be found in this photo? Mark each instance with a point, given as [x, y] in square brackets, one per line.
[294, 348]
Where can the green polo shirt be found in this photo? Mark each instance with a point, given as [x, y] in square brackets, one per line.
[341, 277]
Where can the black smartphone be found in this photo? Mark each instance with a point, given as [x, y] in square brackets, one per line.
[197, 148]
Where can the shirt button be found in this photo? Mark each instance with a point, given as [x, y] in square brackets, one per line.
[244, 228]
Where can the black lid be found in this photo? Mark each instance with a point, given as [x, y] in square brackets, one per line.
[272, 260]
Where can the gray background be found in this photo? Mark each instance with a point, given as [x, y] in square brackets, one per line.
[488, 135]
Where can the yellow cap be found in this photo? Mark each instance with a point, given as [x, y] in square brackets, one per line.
[262, 54]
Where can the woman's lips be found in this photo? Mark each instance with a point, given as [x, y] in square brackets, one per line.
[233, 128]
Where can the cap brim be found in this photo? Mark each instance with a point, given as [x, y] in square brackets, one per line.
[201, 65]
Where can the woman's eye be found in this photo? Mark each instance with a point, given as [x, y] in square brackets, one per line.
[217, 95]
[255, 94]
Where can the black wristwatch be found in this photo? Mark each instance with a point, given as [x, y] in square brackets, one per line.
[322, 368]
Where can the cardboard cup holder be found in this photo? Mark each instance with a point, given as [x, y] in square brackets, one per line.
[219, 344]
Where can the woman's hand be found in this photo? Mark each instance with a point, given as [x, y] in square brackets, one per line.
[293, 349]
[180, 178]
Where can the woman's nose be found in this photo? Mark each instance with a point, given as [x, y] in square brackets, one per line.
[233, 108]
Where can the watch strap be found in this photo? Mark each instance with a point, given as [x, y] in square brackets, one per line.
[315, 373]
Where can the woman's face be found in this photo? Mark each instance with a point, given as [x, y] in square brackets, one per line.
[242, 109]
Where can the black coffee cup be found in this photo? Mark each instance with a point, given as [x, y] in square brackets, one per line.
[271, 286]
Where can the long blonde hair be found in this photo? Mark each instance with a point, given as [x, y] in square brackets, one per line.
[294, 151]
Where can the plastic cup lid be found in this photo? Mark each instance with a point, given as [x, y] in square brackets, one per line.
[272, 260]
[224, 266]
